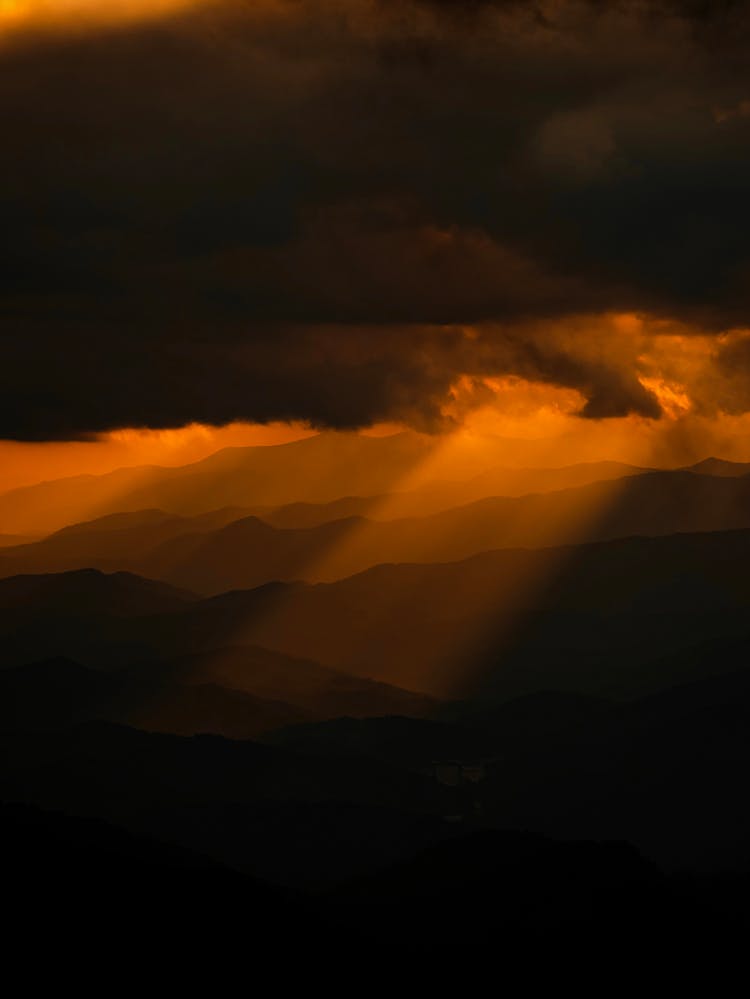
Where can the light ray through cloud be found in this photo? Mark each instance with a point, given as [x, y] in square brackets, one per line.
[493, 613]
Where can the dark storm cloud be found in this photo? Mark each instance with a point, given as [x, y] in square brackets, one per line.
[293, 209]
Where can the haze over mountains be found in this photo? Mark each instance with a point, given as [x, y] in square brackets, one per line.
[227, 549]
[374, 492]
[264, 668]
[510, 621]
[240, 693]
[485, 596]
[320, 469]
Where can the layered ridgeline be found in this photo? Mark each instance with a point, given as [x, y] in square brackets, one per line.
[226, 549]
[318, 470]
[239, 692]
[605, 618]
[324, 803]
[603, 685]
[497, 595]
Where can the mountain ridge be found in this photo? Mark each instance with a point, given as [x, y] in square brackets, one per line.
[318, 469]
[506, 622]
[212, 553]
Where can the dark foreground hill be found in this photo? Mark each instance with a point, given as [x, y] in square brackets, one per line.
[87, 591]
[58, 693]
[665, 773]
[318, 691]
[238, 693]
[266, 811]
[149, 901]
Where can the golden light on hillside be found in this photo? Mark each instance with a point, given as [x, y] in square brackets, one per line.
[445, 476]
[517, 423]
[493, 427]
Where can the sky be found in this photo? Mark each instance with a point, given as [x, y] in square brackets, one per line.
[232, 221]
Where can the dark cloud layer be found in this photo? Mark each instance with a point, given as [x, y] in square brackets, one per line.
[297, 209]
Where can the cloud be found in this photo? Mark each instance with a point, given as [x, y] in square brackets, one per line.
[295, 210]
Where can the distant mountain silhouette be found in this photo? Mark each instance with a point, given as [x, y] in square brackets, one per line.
[114, 541]
[238, 693]
[166, 753]
[436, 496]
[313, 689]
[720, 467]
[317, 470]
[247, 552]
[87, 591]
[521, 481]
[597, 619]
[58, 693]
[11, 540]
[101, 526]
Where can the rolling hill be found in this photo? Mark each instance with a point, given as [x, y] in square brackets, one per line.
[59, 693]
[318, 469]
[88, 591]
[353, 472]
[212, 553]
[248, 553]
[597, 618]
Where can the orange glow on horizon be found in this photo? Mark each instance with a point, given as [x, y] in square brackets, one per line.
[446, 670]
[20, 16]
[525, 424]
[23, 464]
[500, 422]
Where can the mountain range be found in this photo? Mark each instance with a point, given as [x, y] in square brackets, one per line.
[259, 678]
[223, 550]
[351, 471]
[589, 617]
